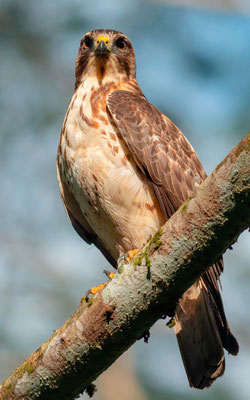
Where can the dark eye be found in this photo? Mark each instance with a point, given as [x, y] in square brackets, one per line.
[87, 42]
[120, 43]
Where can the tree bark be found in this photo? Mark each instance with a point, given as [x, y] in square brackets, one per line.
[143, 291]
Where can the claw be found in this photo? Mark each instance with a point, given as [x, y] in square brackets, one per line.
[109, 274]
[98, 288]
[95, 290]
[127, 257]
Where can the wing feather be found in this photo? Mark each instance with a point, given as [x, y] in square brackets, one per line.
[174, 171]
[161, 148]
[79, 222]
[167, 157]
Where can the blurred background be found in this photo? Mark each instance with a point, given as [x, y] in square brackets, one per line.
[194, 65]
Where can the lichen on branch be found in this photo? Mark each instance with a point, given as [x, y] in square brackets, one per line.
[143, 291]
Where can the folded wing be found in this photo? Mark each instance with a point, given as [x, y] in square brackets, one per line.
[173, 169]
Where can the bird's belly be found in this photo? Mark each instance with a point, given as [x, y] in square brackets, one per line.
[113, 195]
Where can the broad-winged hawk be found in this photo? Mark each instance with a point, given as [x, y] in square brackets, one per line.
[124, 168]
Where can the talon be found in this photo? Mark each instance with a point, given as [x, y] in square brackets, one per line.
[94, 290]
[129, 255]
[109, 274]
[98, 288]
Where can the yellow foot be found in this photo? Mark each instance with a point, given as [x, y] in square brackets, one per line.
[95, 289]
[98, 288]
[127, 257]
[109, 274]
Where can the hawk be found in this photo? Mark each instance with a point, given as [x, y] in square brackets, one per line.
[124, 168]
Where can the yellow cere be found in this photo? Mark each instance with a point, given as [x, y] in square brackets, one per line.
[104, 38]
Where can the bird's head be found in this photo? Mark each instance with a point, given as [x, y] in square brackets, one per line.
[105, 55]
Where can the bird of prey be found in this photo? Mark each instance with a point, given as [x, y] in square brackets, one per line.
[124, 168]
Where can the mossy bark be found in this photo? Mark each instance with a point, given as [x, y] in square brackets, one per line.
[143, 291]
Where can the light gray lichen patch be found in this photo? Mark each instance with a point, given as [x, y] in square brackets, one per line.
[52, 357]
[21, 385]
[79, 328]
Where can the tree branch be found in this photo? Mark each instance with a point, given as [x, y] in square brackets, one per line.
[143, 291]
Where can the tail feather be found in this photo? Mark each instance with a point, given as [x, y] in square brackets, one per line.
[202, 332]
[229, 342]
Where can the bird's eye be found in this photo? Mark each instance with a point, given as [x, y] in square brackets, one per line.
[120, 43]
[87, 42]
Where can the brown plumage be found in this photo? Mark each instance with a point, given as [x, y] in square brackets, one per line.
[124, 168]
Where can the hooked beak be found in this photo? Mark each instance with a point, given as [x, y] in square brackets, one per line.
[102, 49]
